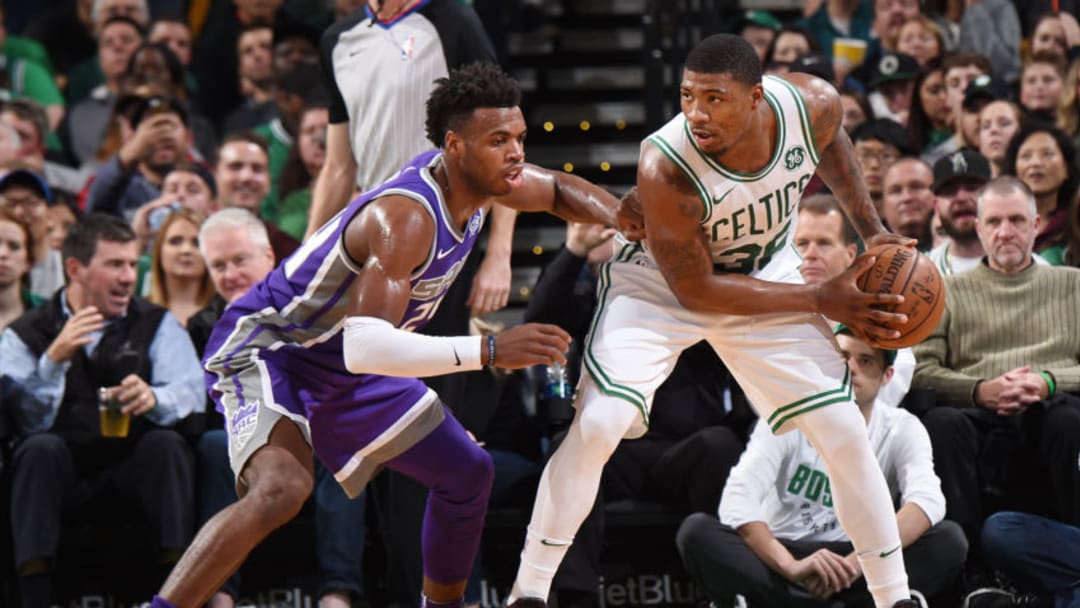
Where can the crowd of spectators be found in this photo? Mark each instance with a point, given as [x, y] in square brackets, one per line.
[157, 157]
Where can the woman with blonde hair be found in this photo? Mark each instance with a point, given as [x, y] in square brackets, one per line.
[921, 38]
[179, 279]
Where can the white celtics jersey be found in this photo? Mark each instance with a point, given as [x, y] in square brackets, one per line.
[750, 218]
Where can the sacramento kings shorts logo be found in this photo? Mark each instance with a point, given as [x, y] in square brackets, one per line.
[242, 423]
[794, 157]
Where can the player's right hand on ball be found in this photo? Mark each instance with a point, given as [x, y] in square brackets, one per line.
[840, 299]
[531, 344]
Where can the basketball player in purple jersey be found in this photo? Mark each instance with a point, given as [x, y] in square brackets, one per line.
[321, 354]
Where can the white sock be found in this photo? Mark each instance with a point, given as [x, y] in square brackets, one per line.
[568, 488]
[860, 496]
[540, 559]
[890, 584]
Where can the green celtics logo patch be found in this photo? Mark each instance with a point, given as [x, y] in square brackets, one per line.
[794, 157]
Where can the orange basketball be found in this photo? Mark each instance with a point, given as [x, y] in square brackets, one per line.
[905, 271]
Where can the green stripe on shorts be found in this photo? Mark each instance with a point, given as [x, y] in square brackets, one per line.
[783, 414]
[593, 366]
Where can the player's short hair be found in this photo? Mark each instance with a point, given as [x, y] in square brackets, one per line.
[725, 54]
[824, 204]
[83, 237]
[231, 218]
[479, 85]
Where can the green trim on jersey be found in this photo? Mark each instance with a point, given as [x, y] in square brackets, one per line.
[797, 408]
[601, 379]
[804, 119]
[781, 136]
[684, 166]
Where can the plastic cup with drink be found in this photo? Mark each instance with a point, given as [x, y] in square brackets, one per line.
[114, 421]
[848, 53]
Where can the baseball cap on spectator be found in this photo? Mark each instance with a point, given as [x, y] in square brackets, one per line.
[814, 64]
[27, 179]
[892, 67]
[966, 164]
[984, 88]
[760, 19]
[158, 104]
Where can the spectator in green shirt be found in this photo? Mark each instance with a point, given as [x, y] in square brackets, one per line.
[305, 160]
[20, 77]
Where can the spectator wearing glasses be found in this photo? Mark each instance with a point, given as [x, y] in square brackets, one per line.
[878, 144]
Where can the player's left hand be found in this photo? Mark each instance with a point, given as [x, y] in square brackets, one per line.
[491, 285]
[135, 394]
[530, 344]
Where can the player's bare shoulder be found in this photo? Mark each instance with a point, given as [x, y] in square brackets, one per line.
[396, 229]
[823, 103]
[658, 170]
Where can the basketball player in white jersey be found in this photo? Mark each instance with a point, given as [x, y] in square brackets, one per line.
[719, 188]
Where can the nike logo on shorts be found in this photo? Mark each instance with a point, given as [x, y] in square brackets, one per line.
[552, 543]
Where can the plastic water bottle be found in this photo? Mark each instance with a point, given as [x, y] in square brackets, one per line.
[557, 385]
[556, 398]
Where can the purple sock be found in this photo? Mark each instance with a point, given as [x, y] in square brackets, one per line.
[160, 602]
[425, 602]
[458, 474]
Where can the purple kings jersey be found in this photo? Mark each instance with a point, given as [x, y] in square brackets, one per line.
[292, 321]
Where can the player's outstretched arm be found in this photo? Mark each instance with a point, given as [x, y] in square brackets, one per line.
[570, 197]
[389, 239]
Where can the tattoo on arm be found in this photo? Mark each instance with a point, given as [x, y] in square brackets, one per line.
[681, 259]
[684, 255]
